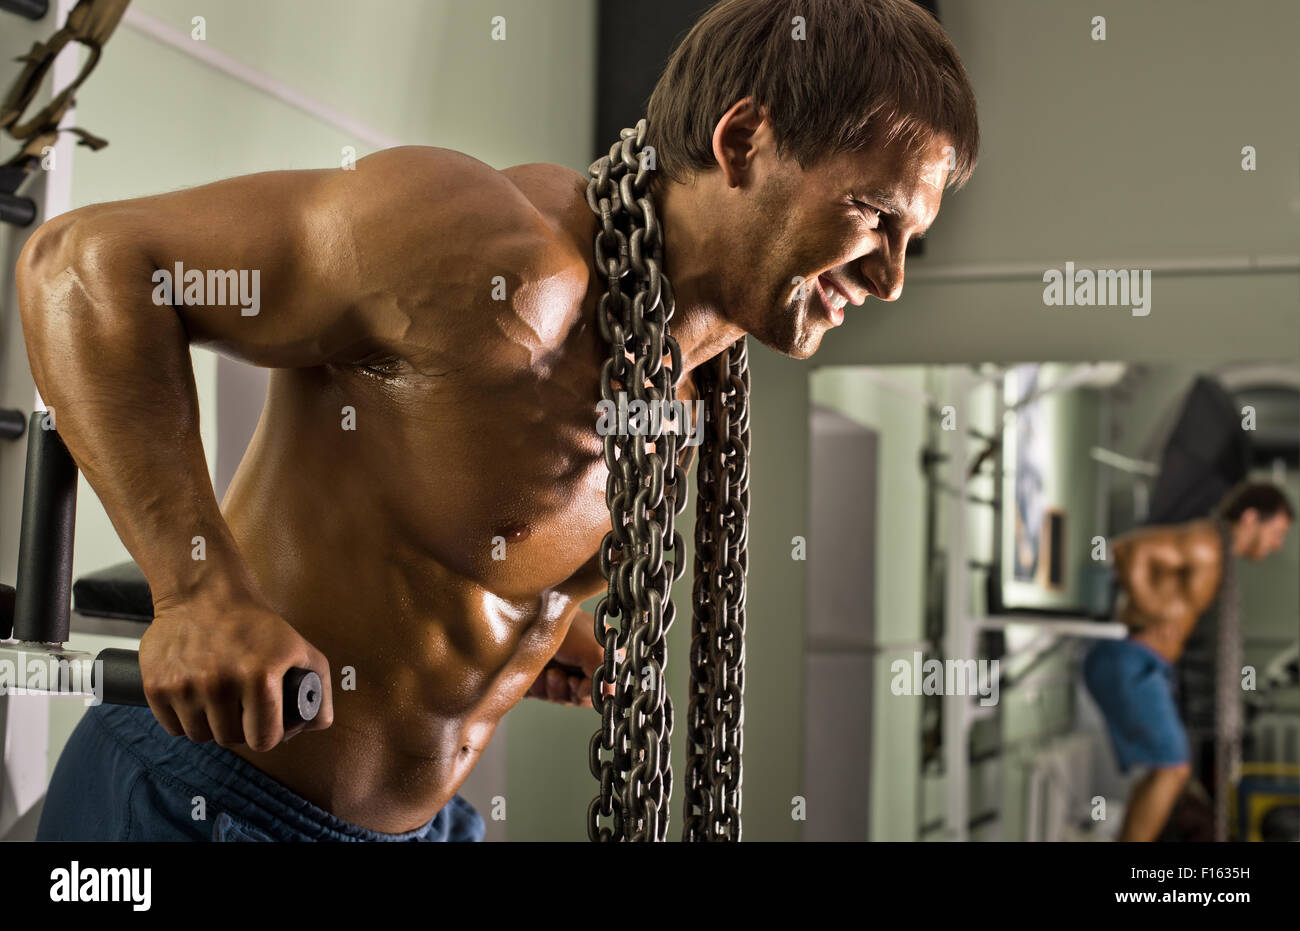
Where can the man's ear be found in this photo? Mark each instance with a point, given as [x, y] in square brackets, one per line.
[733, 145]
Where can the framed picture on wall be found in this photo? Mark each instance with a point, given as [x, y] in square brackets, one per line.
[1052, 555]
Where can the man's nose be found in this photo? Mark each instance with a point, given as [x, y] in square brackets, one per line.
[884, 274]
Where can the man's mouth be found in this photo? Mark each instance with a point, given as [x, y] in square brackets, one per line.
[831, 299]
[837, 297]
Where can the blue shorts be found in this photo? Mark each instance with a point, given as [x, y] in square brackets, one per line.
[121, 777]
[1133, 685]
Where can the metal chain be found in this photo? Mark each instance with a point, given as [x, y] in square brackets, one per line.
[630, 754]
[1227, 687]
[715, 716]
[645, 492]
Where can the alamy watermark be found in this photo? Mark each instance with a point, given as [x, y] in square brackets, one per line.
[645, 418]
[78, 883]
[1105, 287]
[217, 287]
[44, 674]
[919, 676]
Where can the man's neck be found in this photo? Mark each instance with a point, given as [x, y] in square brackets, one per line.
[693, 269]
[1239, 540]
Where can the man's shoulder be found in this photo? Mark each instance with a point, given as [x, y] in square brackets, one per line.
[556, 192]
[440, 207]
[1202, 541]
[1150, 533]
[450, 233]
[454, 196]
[1196, 540]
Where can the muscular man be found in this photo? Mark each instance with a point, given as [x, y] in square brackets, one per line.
[1169, 576]
[791, 176]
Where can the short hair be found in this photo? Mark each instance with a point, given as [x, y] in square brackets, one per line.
[1263, 497]
[868, 73]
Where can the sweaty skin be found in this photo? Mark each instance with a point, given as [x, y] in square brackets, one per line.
[367, 554]
[1170, 575]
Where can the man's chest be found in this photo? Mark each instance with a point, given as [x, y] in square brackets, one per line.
[522, 505]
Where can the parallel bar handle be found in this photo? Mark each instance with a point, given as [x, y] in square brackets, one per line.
[122, 684]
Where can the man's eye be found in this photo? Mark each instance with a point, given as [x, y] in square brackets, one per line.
[868, 207]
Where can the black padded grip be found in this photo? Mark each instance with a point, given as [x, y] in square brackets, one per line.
[6, 611]
[13, 424]
[45, 549]
[19, 211]
[121, 684]
[32, 9]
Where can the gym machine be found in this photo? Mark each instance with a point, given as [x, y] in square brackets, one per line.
[35, 614]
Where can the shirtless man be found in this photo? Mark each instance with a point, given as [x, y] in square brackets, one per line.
[1169, 576]
[372, 548]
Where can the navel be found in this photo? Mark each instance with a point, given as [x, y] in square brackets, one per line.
[514, 533]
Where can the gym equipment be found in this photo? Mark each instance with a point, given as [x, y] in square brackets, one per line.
[15, 210]
[645, 492]
[1266, 803]
[32, 9]
[12, 424]
[955, 626]
[90, 23]
[1228, 712]
[36, 612]
[122, 686]
[1206, 454]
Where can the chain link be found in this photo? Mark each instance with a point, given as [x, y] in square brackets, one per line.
[1227, 686]
[643, 554]
[715, 714]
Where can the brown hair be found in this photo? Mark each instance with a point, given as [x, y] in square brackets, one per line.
[868, 72]
[1264, 497]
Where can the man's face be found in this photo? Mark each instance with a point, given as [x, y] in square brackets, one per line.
[1265, 537]
[808, 242]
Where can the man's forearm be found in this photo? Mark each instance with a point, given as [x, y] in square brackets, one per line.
[115, 370]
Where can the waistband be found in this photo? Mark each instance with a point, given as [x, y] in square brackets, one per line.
[233, 785]
[1148, 649]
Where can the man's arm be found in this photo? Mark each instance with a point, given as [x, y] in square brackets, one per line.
[1205, 566]
[336, 253]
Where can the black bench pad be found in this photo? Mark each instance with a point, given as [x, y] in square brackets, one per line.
[119, 591]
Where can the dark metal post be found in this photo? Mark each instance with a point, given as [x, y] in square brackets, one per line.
[44, 596]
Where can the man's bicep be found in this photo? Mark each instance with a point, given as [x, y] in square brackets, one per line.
[1205, 561]
[588, 581]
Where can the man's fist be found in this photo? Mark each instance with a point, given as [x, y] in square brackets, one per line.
[566, 679]
[212, 670]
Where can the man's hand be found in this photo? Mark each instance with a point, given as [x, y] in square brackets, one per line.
[213, 672]
[566, 679]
